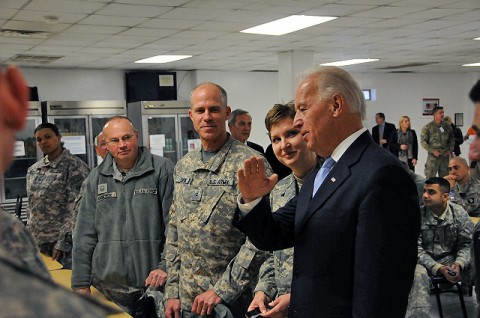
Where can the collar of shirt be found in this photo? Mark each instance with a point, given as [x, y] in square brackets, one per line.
[347, 142]
[443, 215]
[55, 161]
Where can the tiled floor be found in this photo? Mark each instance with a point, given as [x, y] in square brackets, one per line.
[451, 306]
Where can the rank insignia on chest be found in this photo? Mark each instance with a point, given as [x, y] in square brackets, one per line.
[102, 188]
[197, 195]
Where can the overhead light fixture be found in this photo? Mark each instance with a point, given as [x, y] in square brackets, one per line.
[159, 59]
[288, 25]
[478, 39]
[350, 62]
[472, 64]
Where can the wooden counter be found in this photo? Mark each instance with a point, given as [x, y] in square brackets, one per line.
[63, 277]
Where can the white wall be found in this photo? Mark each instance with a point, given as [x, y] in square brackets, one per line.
[256, 92]
[401, 94]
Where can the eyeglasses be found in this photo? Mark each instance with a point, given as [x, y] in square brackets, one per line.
[116, 141]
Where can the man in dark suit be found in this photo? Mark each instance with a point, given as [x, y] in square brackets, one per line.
[381, 132]
[240, 125]
[356, 237]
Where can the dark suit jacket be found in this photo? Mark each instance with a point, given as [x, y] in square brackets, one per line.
[389, 128]
[256, 147]
[355, 240]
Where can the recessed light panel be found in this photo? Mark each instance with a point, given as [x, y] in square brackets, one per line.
[349, 62]
[287, 25]
[472, 64]
[163, 59]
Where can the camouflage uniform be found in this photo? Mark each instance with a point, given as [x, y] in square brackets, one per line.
[52, 187]
[27, 289]
[203, 250]
[20, 245]
[440, 243]
[275, 277]
[437, 137]
[120, 228]
[23, 293]
[468, 197]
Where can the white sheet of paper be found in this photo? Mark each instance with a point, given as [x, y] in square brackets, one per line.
[194, 144]
[19, 148]
[76, 144]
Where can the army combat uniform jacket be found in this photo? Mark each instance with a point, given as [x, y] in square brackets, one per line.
[437, 137]
[469, 196]
[445, 241]
[204, 250]
[52, 187]
[275, 277]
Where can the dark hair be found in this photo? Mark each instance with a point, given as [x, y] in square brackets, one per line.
[444, 184]
[277, 113]
[381, 115]
[475, 92]
[436, 109]
[233, 116]
[51, 126]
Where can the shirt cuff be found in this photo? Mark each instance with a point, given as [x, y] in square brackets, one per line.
[435, 268]
[246, 207]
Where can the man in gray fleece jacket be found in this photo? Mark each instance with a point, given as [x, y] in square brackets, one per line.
[122, 219]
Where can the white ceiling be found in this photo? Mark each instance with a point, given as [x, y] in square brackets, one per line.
[103, 34]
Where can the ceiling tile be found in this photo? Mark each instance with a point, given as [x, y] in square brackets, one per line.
[64, 6]
[129, 10]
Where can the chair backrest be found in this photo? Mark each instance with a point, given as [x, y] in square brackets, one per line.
[476, 255]
[18, 207]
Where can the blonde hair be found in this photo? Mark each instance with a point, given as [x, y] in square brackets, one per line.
[402, 118]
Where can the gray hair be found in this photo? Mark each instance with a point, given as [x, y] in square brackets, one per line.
[223, 93]
[233, 116]
[331, 80]
[461, 160]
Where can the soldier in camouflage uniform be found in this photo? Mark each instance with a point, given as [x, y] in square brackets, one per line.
[53, 183]
[465, 189]
[26, 289]
[15, 238]
[444, 244]
[274, 285]
[438, 140]
[208, 260]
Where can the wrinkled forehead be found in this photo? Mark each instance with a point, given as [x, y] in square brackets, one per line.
[117, 128]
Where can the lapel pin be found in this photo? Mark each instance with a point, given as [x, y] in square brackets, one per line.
[333, 179]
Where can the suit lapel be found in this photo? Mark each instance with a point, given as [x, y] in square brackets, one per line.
[341, 171]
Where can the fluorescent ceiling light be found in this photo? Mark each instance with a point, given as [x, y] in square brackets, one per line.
[287, 25]
[478, 39]
[349, 62]
[472, 64]
[163, 59]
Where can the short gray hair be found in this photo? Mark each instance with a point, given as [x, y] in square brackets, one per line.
[233, 116]
[223, 93]
[331, 80]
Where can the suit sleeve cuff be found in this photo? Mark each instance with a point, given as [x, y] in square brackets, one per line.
[246, 207]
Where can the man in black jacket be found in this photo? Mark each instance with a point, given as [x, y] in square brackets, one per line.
[240, 125]
[381, 132]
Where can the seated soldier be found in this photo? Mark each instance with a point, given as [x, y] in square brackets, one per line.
[443, 245]
[465, 189]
